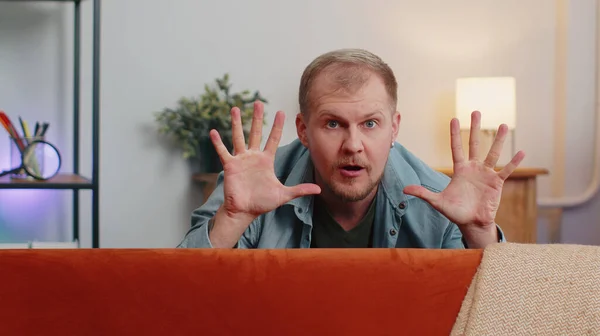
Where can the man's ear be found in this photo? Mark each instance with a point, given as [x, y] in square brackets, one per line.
[301, 129]
[395, 125]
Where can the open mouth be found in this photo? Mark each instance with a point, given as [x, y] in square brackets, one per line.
[351, 170]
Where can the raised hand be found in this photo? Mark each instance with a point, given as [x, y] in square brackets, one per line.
[250, 186]
[473, 195]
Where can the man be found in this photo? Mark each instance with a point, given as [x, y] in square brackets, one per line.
[345, 182]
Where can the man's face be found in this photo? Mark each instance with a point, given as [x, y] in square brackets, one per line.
[349, 135]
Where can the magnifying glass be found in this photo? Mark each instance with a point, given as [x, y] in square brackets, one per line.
[40, 160]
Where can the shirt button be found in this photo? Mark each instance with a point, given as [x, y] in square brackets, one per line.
[393, 232]
[402, 205]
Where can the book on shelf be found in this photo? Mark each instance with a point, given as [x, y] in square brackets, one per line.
[54, 245]
[7, 246]
[40, 245]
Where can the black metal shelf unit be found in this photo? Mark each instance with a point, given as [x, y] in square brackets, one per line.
[75, 181]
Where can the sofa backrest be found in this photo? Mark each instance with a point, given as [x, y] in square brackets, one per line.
[227, 292]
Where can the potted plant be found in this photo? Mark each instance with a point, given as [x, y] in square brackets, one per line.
[189, 123]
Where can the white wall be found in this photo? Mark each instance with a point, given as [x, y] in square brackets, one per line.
[153, 52]
[581, 224]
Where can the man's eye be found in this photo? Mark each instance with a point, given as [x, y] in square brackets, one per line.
[332, 124]
[370, 123]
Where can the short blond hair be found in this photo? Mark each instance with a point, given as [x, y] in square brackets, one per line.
[351, 69]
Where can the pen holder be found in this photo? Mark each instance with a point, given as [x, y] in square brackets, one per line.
[17, 146]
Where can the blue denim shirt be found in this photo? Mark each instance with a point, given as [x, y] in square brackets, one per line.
[401, 220]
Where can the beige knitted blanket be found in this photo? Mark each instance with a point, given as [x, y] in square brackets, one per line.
[529, 289]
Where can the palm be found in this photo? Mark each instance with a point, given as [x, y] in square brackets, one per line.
[249, 185]
[473, 194]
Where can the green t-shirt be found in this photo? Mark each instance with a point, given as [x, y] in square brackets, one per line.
[327, 233]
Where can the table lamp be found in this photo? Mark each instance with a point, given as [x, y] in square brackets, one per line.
[493, 97]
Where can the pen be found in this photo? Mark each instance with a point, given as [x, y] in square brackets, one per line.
[44, 129]
[11, 130]
[26, 134]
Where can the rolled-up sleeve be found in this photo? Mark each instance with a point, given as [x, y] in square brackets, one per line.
[455, 239]
[201, 219]
[197, 237]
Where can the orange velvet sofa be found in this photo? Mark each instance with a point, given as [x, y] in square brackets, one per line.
[233, 292]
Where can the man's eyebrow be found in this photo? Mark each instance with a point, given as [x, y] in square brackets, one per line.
[327, 113]
[374, 113]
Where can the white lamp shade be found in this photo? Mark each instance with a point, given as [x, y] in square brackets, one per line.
[494, 97]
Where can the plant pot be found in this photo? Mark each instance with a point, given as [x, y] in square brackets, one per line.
[208, 159]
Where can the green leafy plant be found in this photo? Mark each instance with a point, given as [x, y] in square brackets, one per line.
[190, 122]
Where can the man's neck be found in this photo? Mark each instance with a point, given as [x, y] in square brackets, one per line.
[347, 214]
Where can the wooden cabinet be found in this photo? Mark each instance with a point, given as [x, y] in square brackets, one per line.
[518, 211]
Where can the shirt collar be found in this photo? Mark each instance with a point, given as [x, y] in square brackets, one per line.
[303, 172]
[398, 174]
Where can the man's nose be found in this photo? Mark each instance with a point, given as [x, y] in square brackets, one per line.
[353, 142]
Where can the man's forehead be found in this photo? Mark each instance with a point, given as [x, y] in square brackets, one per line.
[353, 113]
[348, 86]
[330, 93]
[336, 97]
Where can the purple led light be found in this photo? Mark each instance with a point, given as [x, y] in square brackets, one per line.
[22, 211]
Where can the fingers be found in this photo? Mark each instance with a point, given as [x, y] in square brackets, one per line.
[423, 193]
[256, 129]
[456, 142]
[300, 190]
[239, 145]
[505, 172]
[496, 149]
[219, 146]
[275, 135]
[474, 135]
